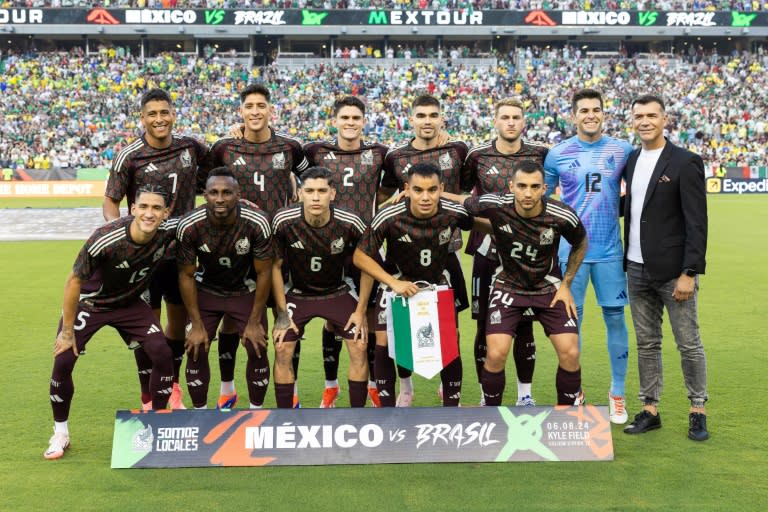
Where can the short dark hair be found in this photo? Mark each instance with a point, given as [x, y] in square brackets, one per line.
[528, 167]
[220, 172]
[152, 189]
[348, 101]
[318, 172]
[425, 170]
[646, 99]
[586, 94]
[155, 94]
[255, 89]
[425, 100]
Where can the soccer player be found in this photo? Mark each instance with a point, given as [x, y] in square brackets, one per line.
[356, 166]
[265, 164]
[159, 158]
[418, 233]
[230, 242]
[427, 146]
[528, 229]
[316, 240]
[588, 167]
[488, 170]
[105, 287]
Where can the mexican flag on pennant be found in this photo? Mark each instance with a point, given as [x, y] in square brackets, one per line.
[422, 330]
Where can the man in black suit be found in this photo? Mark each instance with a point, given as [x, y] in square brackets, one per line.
[665, 236]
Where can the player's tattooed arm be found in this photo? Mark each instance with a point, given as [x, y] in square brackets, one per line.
[563, 293]
[359, 318]
[65, 340]
[283, 320]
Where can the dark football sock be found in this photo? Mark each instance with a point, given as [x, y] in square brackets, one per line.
[62, 387]
[295, 361]
[177, 347]
[284, 395]
[331, 351]
[568, 385]
[493, 386]
[161, 382]
[403, 373]
[371, 355]
[228, 342]
[451, 376]
[257, 375]
[524, 351]
[480, 348]
[144, 367]
[198, 375]
[358, 393]
[385, 376]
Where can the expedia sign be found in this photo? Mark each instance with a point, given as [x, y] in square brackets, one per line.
[264, 437]
[737, 186]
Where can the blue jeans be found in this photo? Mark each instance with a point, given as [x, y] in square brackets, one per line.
[647, 299]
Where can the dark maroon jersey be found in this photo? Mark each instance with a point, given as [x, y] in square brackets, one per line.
[448, 158]
[174, 168]
[357, 174]
[487, 171]
[316, 257]
[419, 247]
[263, 170]
[224, 254]
[114, 269]
[491, 171]
[527, 248]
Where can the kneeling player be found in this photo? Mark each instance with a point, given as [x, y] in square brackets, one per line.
[528, 228]
[417, 232]
[315, 240]
[104, 288]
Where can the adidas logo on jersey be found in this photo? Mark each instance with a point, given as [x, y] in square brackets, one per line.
[297, 245]
[124, 264]
[240, 161]
[493, 171]
[330, 156]
[204, 248]
[406, 169]
[574, 165]
[150, 168]
[622, 295]
[570, 323]
[153, 329]
[506, 228]
[405, 238]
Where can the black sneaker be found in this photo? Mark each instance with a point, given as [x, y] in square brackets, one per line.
[697, 426]
[643, 422]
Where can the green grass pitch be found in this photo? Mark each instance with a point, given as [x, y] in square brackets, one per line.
[661, 470]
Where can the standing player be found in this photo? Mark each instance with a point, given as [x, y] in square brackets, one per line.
[418, 234]
[356, 166]
[488, 170]
[163, 159]
[528, 229]
[427, 146]
[316, 240]
[588, 167]
[230, 242]
[265, 164]
[104, 288]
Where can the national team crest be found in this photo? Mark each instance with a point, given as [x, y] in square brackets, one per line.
[425, 336]
[278, 161]
[158, 254]
[445, 236]
[143, 439]
[242, 246]
[186, 159]
[337, 246]
[446, 162]
[547, 237]
[366, 157]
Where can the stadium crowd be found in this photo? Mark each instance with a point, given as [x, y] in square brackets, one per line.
[66, 109]
[520, 5]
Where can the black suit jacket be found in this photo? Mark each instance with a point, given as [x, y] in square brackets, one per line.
[673, 223]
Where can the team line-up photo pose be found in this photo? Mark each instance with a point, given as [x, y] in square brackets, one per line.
[331, 228]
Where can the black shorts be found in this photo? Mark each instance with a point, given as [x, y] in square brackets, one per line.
[336, 310]
[507, 309]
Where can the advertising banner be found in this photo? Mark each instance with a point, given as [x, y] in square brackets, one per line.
[64, 188]
[737, 186]
[275, 437]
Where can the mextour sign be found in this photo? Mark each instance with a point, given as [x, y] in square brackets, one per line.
[275, 437]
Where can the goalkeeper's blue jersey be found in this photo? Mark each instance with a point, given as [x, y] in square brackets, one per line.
[589, 175]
